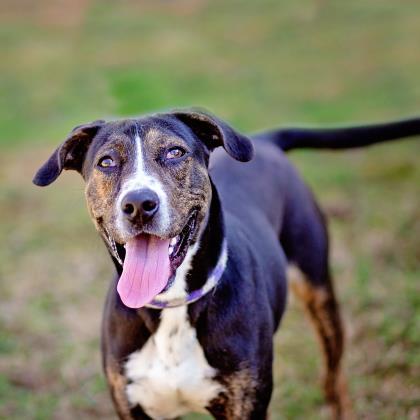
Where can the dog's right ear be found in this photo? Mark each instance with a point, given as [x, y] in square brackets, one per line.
[69, 155]
[214, 133]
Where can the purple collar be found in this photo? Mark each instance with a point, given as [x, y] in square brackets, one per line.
[212, 281]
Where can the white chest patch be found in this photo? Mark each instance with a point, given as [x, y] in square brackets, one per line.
[170, 375]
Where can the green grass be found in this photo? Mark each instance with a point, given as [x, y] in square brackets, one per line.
[256, 64]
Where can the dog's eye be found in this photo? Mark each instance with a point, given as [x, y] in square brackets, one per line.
[175, 153]
[106, 162]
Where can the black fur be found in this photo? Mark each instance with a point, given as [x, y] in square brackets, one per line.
[340, 138]
[69, 155]
[214, 133]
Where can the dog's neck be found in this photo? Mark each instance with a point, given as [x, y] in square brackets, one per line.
[210, 247]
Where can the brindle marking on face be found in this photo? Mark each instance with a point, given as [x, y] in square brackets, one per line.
[185, 183]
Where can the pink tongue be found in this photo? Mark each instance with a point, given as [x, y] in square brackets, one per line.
[146, 270]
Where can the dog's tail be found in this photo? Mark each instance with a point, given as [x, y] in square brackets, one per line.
[340, 138]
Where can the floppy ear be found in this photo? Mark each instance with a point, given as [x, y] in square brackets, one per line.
[214, 132]
[69, 155]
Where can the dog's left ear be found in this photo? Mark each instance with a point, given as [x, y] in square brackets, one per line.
[214, 132]
[69, 155]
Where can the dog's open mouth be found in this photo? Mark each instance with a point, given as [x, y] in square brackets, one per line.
[150, 264]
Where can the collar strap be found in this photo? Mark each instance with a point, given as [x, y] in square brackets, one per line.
[212, 281]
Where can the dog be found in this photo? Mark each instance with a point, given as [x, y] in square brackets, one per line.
[204, 247]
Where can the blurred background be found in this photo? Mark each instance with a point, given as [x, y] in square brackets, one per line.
[257, 64]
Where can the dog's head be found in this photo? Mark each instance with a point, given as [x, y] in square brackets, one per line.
[147, 188]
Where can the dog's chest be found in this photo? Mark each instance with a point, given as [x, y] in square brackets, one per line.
[170, 375]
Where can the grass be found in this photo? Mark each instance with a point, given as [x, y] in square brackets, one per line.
[256, 64]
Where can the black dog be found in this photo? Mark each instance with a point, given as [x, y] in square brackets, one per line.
[202, 257]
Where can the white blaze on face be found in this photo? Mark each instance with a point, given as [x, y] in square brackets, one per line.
[146, 267]
[140, 178]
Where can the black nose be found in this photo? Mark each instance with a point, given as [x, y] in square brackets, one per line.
[140, 205]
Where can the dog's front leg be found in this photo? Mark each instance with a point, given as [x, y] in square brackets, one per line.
[117, 386]
[237, 410]
[245, 397]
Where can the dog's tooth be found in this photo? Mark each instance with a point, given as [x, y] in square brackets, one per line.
[170, 250]
[173, 241]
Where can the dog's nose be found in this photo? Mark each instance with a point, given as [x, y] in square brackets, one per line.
[140, 204]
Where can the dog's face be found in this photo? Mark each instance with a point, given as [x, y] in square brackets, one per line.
[147, 185]
[146, 177]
